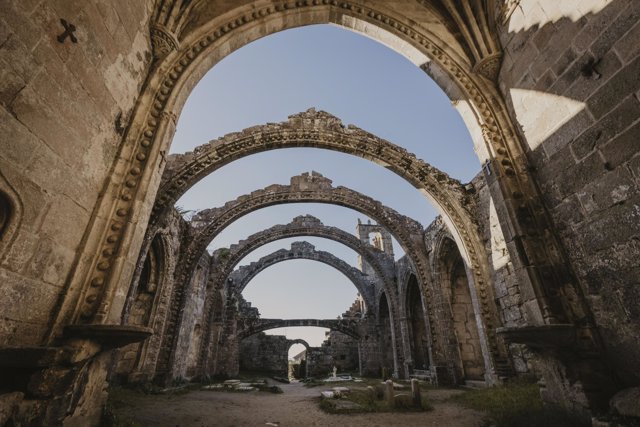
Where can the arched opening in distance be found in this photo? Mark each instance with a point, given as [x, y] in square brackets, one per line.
[453, 276]
[298, 359]
[418, 337]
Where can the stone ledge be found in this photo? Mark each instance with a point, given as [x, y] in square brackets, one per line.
[541, 336]
[109, 336]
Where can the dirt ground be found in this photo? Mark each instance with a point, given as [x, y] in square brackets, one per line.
[297, 406]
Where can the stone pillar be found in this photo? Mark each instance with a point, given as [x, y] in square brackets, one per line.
[415, 393]
[388, 392]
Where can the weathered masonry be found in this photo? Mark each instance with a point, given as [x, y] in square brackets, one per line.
[531, 267]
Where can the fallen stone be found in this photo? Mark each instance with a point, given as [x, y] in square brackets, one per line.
[213, 387]
[327, 394]
[245, 388]
[336, 379]
[232, 382]
[341, 390]
[627, 402]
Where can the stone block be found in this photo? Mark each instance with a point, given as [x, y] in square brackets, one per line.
[20, 23]
[613, 188]
[627, 47]
[563, 135]
[595, 25]
[614, 123]
[617, 87]
[18, 143]
[613, 225]
[590, 169]
[19, 292]
[568, 212]
[617, 28]
[580, 87]
[623, 147]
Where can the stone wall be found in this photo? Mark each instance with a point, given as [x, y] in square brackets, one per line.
[570, 76]
[262, 352]
[63, 110]
[344, 352]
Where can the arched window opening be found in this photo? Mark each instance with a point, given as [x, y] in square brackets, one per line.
[5, 214]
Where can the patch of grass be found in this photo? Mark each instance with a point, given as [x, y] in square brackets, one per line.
[119, 397]
[518, 404]
[110, 419]
[365, 401]
[619, 420]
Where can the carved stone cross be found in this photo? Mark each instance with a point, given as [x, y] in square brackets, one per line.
[69, 29]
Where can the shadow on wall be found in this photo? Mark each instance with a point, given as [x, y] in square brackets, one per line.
[570, 77]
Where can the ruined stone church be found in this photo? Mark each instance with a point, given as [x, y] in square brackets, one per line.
[532, 268]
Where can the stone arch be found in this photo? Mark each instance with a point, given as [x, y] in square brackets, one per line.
[185, 51]
[305, 225]
[322, 130]
[240, 278]
[305, 188]
[311, 188]
[189, 46]
[307, 347]
[453, 276]
[299, 341]
[253, 326]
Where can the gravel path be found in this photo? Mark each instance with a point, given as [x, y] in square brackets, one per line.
[297, 406]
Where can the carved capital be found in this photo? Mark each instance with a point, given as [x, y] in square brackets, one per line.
[489, 66]
[163, 41]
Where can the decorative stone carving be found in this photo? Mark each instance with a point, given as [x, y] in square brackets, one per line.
[489, 66]
[162, 41]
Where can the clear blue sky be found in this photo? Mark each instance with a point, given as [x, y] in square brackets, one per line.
[354, 78]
